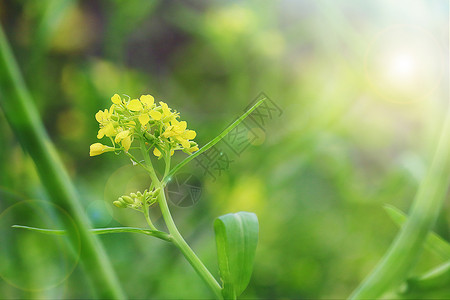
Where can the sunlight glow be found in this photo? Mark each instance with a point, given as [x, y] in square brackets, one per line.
[402, 67]
[404, 64]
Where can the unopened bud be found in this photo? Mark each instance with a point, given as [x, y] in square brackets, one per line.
[148, 136]
[120, 204]
[127, 199]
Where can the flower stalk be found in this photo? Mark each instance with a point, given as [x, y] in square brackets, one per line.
[157, 129]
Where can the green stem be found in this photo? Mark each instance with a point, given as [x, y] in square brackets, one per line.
[155, 233]
[24, 119]
[148, 162]
[212, 142]
[401, 256]
[167, 159]
[147, 217]
[137, 162]
[177, 239]
[186, 250]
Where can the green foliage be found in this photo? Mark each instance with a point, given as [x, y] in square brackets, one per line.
[434, 243]
[155, 233]
[214, 141]
[242, 233]
[236, 240]
[317, 177]
[435, 280]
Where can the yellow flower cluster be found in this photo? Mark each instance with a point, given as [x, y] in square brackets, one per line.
[157, 125]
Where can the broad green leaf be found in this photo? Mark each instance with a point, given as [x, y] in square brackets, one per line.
[236, 239]
[433, 242]
[155, 233]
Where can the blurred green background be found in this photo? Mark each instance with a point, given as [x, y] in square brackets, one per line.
[362, 86]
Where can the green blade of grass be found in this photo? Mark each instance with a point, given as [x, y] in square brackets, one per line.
[435, 279]
[434, 243]
[400, 258]
[22, 115]
[212, 142]
[155, 233]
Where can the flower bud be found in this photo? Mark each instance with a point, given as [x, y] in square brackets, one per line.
[127, 199]
[120, 204]
[149, 137]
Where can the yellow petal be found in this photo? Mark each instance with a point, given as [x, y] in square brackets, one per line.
[135, 105]
[156, 115]
[147, 100]
[126, 143]
[156, 152]
[121, 135]
[144, 119]
[101, 133]
[111, 110]
[189, 134]
[116, 99]
[182, 126]
[172, 152]
[193, 149]
[98, 148]
[99, 116]
[165, 108]
[168, 132]
[184, 143]
[109, 130]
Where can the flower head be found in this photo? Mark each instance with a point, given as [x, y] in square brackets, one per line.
[157, 125]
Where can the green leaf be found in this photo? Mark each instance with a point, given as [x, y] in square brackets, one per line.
[212, 142]
[433, 242]
[236, 239]
[155, 233]
[437, 278]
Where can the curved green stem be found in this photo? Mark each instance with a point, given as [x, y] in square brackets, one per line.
[176, 237]
[137, 162]
[401, 256]
[148, 162]
[147, 217]
[186, 250]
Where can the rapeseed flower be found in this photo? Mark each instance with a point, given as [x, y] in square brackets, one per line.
[106, 123]
[157, 125]
[145, 108]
